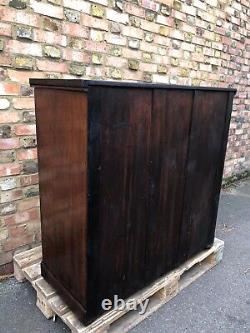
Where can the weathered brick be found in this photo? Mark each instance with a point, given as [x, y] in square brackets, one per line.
[7, 208]
[4, 103]
[52, 51]
[7, 156]
[1, 44]
[135, 21]
[23, 32]
[8, 184]
[97, 11]
[73, 29]
[5, 131]
[8, 196]
[30, 167]
[50, 24]
[149, 37]
[28, 204]
[22, 129]
[31, 192]
[18, 4]
[7, 88]
[152, 5]
[28, 142]
[30, 49]
[115, 50]
[72, 15]
[9, 169]
[164, 31]
[77, 69]
[27, 154]
[5, 29]
[115, 27]
[97, 35]
[47, 9]
[113, 15]
[133, 64]
[9, 143]
[115, 73]
[97, 59]
[49, 66]
[23, 62]
[150, 16]
[27, 180]
[134, 43]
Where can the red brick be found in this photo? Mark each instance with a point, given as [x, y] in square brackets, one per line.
[152, 5]
[77, 56]
[7, 88]
[8, 117]
[50, 66]
[96, 47]
[9, 143]
[16, 16]
[5, 60]
[13, 243]
[17, 230]
[27, 154]
[29, 180]
[23, 103]
[28, 203]
[31, 49]
[47, 9]
[9, 169]
[23, 129]
[50, 37]
[23, 76]
[134, 10]
[5, 29]
[21, 217]
[74, 29]
[8, 196]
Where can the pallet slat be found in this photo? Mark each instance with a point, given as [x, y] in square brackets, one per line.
[27, 264]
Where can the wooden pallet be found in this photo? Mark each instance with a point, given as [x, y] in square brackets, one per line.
[27, 266]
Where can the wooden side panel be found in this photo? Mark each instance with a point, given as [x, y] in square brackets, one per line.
[62, 152]
[170, 126]
[119, 136]
[204, 171]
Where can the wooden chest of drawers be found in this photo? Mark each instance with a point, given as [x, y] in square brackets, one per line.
[130, 177]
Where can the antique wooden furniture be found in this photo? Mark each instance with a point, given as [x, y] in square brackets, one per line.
[130, 178]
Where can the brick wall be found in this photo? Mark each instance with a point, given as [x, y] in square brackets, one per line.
[199, 42]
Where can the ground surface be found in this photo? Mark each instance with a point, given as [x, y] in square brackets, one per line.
[217, 302]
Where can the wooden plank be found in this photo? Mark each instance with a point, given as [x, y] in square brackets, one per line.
[58, 305]
[168, 155]
[28, 257]
[158, 293]
[44, 288]
[32, 272]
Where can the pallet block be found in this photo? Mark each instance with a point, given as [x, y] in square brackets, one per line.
[27, 266]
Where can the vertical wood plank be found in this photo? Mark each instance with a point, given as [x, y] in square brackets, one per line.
[204, 160]
[170, 126]
[62, 154]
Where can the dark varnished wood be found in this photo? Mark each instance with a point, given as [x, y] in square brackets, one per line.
[204, 159]
[170, 126]
[130, 177]
[120, 199]
[62, 154]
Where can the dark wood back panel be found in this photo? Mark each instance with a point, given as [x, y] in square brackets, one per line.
[119, 139]
[170, 127]
[203, 171]
[62, 151]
